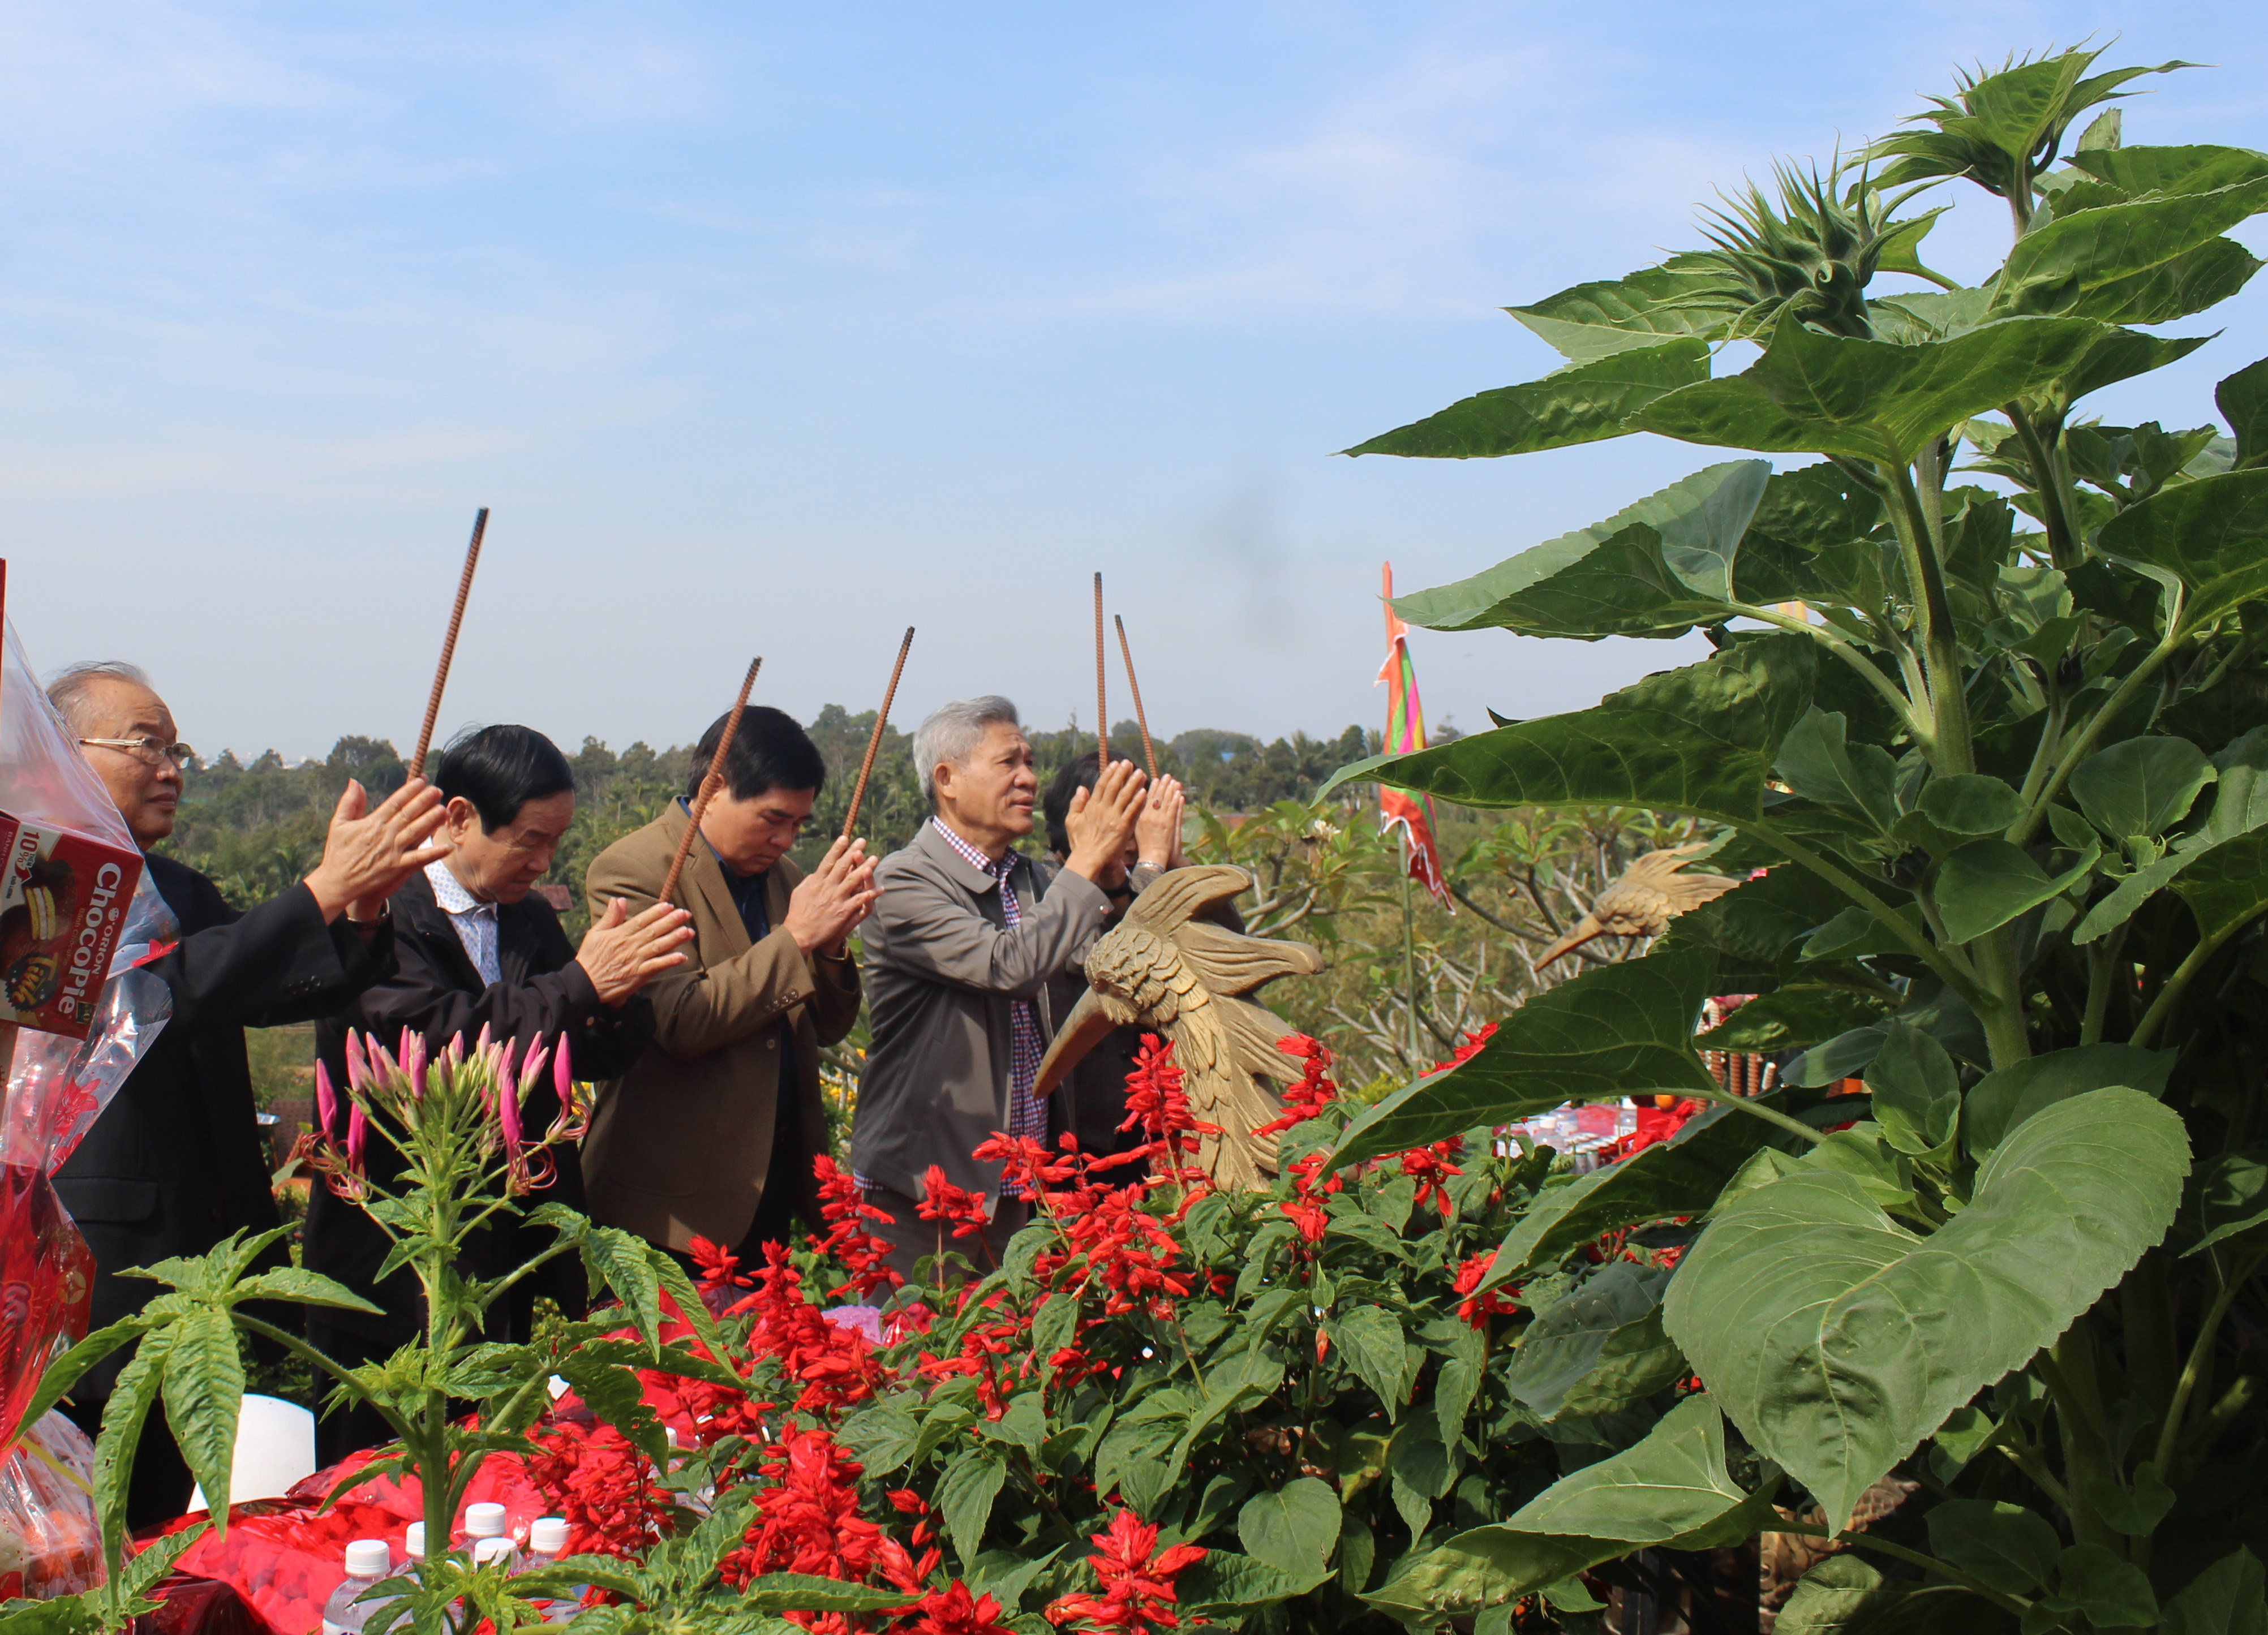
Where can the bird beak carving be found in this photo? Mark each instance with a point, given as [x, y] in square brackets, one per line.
[1087, 1025]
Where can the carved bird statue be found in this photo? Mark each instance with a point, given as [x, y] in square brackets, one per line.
[1165, 969]
[1642, 900]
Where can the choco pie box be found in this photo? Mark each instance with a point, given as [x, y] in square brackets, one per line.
[62, 901]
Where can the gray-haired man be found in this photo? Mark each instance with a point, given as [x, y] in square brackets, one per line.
[961, 946]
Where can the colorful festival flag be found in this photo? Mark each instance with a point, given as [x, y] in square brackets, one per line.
[1405, 732]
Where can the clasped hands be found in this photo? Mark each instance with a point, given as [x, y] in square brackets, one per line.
[1123, 805]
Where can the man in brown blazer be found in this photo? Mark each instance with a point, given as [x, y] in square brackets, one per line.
[712, 1132]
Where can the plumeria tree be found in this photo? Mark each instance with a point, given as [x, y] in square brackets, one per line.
[1988, 708]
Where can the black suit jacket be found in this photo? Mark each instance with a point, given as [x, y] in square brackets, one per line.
[434, 990]
[175, 1162]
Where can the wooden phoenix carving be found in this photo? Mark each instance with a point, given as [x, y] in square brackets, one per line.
[1646, 896]
[1184, 978]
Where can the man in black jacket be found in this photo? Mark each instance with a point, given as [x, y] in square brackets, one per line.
[476, 947]
[176, 1163]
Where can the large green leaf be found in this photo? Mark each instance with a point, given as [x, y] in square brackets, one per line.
[1369, 1341]
[1597, 1350]
[1837, 1339]
[2117, 354]
[1580, 403]
[1293, 1529]
[1654, 304]
[2189, 283]
[203, 1390]
[1984, 884]
[1656, 568]
[1868, 400]
[2002, 1546]
[123, 1413]
[1916, 1089]
[2230, 1597]
[1815, 761]
[964, 1498]
[808, 1592]
[2199, 168]
[2227, 885]
[2212, 533]
[2003, 1098]
[2240, 805]
[1616, 1030]
[2243, 399]
[2077, 263]
[1697, 739]
[2142, 785]
[1671, 1490]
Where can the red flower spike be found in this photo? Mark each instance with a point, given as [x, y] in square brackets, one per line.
[1137, 1579]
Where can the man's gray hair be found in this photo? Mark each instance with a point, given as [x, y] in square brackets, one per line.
[69, 689]
[952, 732]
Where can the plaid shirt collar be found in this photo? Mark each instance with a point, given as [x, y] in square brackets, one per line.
[971, 856]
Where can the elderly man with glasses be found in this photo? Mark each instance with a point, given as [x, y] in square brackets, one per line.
[176, 1163]
[712, 1132]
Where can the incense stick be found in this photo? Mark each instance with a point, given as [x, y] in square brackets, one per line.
[449, 644]
[711, 782]
[1141, 719]
[1101, 711]
[875, 738]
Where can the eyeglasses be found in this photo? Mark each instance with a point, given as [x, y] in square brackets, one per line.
[147, 750]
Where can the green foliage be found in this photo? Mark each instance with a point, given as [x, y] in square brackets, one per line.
[2002, 765]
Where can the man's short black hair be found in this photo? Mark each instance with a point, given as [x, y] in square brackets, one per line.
[769, 752]
[1080, 774]
[500, 770]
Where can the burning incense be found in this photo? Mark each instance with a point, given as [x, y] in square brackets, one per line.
[711, 782]
[1101, 711]
[1141, 719]
[449, 644]
[875, 738]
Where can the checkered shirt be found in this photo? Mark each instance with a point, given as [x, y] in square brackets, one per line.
[475, 921]
[1027, 1117]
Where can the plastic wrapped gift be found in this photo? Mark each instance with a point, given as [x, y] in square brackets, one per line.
[74, 932]
[50, 1540]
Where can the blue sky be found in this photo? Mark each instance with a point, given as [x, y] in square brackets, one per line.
[774, 329]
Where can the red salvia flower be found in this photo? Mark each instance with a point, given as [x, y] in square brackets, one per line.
[1137, 1579]
[1477, 1309]
[1432, 1167]
[941, 1200]
[953, 1611]
[1314, 1091]
[1155, 1101]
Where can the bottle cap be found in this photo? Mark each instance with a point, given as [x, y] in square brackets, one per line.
[413, 1541]
[484, 1521]
[369, 1558]
[490, 1549]
[548, 1534]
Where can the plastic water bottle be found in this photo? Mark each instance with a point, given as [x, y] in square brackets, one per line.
[413, 1544]
[368, 1561]
[498, 1551]
[547, 1543]
[483, 1521]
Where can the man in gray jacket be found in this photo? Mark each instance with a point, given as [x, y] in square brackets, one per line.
[962, 944]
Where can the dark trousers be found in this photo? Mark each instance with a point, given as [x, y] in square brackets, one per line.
[160, 1488]
[910, 1237]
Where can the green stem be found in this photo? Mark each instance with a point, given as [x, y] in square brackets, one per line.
[1945, 961]
[2162, 1007]
[2200, 1349]
[1770, 1114]
[2006, 1036]
[1949, 701]
[2043, 752]
[2102, 965]
[2016, 1604]
[2097, 725]
[2047, 480]
[2067, 1367]
[2028, 1460]
[1917, 724]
